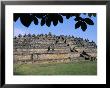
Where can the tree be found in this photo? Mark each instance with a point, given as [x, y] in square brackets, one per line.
[48, 18]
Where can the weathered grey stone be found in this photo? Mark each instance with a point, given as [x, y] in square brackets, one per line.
[51, 48]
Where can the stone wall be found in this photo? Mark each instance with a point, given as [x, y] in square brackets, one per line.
[31, 51]
[50, 56]
[20, 57]
[51, 48]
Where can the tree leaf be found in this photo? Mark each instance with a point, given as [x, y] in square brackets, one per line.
[54, 17]
[94, 14]
[84, 13]
[42, 21]
[63, 14]
[48, 22]
[55, 22]
[68, 16]
[16, 16]
[78, 24]
[89, 21]
[39, 15]
[60, 19]
[36, 21]
[78, 18]
[83, 26]
[89, 14]
[26, 19]
[77, 14]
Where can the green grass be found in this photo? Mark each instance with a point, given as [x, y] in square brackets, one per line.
[74, 68]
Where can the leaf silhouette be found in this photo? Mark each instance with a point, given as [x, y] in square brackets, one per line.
[40, 15]
[48, 22]
[60, 19]
[55, 22]
[36, 21]
[94, 14]
[68, 16]
[78, 24]
[83, 26]
[47, 18]
[42, 21]
[78, 18]
[89, 21]
[26, 19]
[77, 14]
[16, 16]
[84, 13]
[89, 14]
[34, 18]
[63, 14]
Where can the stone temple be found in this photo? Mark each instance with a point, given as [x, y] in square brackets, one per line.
[47, 48]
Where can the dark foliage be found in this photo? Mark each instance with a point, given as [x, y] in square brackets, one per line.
[83, 23]
[55, 18]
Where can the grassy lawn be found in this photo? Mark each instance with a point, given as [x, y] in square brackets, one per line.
[74, 68]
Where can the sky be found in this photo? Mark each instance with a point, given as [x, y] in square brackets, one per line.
[65, 28]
